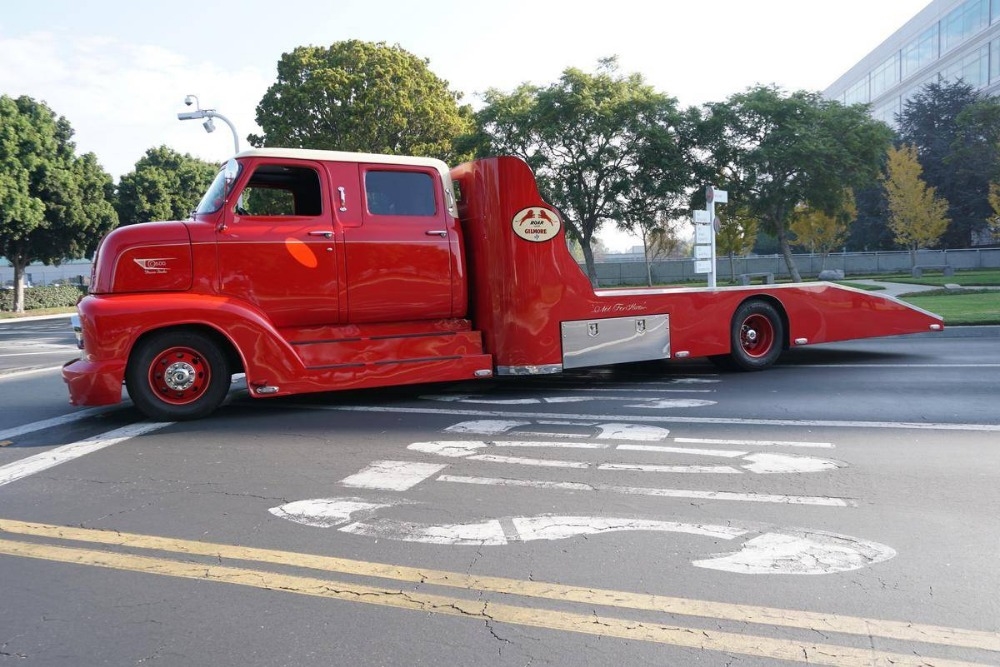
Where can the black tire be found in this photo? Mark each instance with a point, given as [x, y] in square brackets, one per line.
[177, 375]
[756, 336]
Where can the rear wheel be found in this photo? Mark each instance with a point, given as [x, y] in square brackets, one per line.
[177, 375]
[756, 336]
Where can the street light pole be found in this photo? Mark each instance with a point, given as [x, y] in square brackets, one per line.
[208, 114]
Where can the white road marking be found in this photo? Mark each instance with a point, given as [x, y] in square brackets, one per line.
[821, 501]
[651, 403]
[798, 423]
[467, 398]
[655, 404]
[778, 551]
[338, 513]
[486, 426]
[658, 390]
[49, 423]
[518, 460]
[530, 528]
[652, 467]
[39, 462]
[725, 453]
[325, 512]
[606, 431]
[29, 371]
[50, 351]
[755, 443]
[487, 533]
[800, 552]
[459, 448]
[761, 463]
[765, 464]
[392, 475]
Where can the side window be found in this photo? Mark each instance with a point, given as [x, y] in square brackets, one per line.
[400, 193]
[276, 190]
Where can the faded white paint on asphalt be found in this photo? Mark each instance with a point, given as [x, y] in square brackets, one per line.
[781, 499]
[777, 551]
[761, 463]
[39, 462]
[392, 475]
[647, 403]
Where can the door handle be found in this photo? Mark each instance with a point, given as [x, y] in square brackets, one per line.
[324, 234]
[436, 232]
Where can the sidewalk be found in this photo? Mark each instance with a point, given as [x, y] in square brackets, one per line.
[895, 289]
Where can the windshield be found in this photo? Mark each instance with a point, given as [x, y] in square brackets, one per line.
[220, 188]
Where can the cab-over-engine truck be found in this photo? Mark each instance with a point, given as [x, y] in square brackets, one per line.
[312, 271]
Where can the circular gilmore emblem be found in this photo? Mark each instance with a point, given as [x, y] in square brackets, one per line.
[536, 223]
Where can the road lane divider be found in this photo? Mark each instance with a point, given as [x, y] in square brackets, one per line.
[479, 585]
[487, 611]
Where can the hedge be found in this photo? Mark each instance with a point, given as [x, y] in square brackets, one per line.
[62, 296]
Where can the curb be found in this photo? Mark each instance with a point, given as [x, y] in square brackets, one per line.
[34, 318]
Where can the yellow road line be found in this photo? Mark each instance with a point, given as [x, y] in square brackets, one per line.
[851, 625]
[592, 624]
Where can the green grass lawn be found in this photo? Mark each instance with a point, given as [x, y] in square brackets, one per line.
[967, 307]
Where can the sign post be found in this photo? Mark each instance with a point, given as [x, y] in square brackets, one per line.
[706, 226]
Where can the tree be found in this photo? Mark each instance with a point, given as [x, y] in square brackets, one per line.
[776, 151]
[658, 235]
[917, 216]
[956, 131]
[823, 232]
[603, 146]
[361, 96]
[870, 231]
[164, 185]
[994, 198]
[736, 236]
[54, 205]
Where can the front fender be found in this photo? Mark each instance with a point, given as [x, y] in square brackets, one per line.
[112, 324]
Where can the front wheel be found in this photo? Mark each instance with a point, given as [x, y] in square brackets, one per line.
[756, 336]
[177, 375]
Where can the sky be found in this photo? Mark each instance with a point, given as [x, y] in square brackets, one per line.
[119, 71]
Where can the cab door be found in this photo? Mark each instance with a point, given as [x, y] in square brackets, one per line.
[277, 249]
[399, 259]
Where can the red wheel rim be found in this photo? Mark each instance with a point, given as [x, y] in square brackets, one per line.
[179, 375]
[756, 336]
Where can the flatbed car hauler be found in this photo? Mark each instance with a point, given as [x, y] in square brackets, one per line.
[313, 271]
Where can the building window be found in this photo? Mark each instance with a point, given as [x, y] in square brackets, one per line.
[858, 93]
[922, 51]
[973, 69]
[885, 76]
[887, 111]
[994, 11]
[995, 58]
[963, 22]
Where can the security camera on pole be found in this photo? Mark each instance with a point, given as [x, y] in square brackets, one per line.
[706, 226]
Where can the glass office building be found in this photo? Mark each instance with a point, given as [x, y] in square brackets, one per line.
[946, 41]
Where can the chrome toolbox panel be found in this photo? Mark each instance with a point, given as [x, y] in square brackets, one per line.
[615, 340]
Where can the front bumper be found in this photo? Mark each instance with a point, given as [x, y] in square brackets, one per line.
[94, 382]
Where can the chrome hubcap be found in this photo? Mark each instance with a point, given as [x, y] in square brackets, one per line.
[179, 376]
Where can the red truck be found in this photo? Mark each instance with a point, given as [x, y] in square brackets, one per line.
[313, 271]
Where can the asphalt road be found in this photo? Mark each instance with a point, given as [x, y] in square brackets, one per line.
[841, 508]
